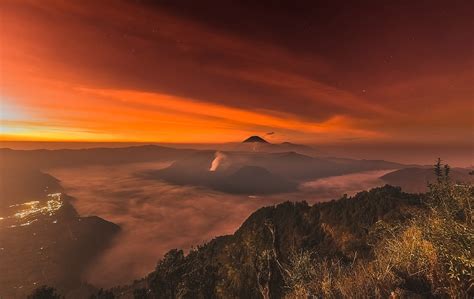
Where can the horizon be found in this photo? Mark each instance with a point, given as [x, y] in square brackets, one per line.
[420, 154]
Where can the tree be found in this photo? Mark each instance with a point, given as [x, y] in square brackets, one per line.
[140, 293]
[103, 294]
[438, 170]
[45, 292]
[447, 169]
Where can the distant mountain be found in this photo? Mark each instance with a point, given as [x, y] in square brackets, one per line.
[416, 179]
[240, 172]
[236, 176]
[291, 145]
[255, 139]
[79, 157]
[258, 144]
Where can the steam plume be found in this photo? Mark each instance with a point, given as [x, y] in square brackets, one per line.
[217, 160]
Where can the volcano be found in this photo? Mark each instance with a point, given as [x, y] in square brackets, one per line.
[255, 139]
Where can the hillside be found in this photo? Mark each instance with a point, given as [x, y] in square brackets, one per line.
[43, 240]
[252, 262]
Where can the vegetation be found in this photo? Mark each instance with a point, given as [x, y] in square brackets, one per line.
[45, 292]
[103, 294]
[429, 255]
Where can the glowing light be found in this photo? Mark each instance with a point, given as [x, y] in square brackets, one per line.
[35, 208]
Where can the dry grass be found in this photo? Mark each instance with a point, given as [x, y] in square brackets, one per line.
[430, 255]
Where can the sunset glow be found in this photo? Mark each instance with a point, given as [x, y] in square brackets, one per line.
[99, 72]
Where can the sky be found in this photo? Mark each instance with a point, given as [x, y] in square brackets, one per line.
[367, 72]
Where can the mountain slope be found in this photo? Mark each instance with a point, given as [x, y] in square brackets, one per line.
[251, 263]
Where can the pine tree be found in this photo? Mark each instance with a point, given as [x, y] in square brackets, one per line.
[447, 169]
[438, 171]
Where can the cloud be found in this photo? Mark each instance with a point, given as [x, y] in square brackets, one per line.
[57, 54]
[156, 216]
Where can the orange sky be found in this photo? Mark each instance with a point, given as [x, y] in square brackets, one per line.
[117, 71]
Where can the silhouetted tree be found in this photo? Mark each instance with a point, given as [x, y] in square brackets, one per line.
[447, 169]
[103, 294]
[168, 274]
[140, 293]
[438, 170]
[45, 292]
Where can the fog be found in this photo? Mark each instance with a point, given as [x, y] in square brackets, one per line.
[156, 216]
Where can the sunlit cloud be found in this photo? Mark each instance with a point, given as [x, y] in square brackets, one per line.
[125, 72]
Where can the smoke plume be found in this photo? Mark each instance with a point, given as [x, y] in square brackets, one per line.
[219, 157]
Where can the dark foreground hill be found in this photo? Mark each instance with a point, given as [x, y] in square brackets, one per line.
[255, 260]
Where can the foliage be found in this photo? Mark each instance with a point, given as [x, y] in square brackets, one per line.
[167, 275]
[140, 293]
[366, 208]
[45, 292]
[103, 294]
[429, 255]
[450, 228]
